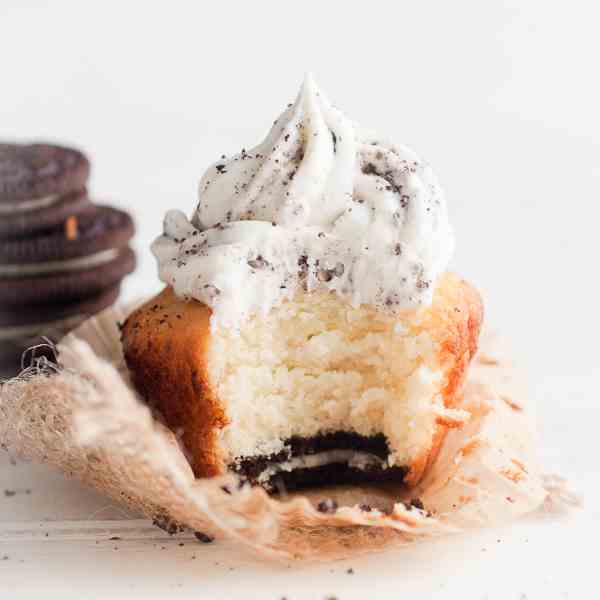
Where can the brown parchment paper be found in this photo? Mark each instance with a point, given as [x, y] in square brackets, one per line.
[87, 420]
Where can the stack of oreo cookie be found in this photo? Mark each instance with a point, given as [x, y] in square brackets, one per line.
[62, 258]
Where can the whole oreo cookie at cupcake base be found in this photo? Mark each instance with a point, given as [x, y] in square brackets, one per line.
[62, 258]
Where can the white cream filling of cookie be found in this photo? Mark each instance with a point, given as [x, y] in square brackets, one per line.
[6, 208]
[354, 459]
[59, 266]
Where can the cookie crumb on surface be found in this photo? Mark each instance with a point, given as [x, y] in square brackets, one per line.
[164, 522]
[203, 537]
[417, 503]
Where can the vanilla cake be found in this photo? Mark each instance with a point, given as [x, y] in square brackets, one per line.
[317, 391]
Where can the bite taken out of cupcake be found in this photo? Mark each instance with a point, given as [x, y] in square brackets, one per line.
[309, 332]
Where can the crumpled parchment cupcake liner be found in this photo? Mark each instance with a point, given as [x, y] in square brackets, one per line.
[87, 420]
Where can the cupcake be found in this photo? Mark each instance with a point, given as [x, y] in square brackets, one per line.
[309, 332]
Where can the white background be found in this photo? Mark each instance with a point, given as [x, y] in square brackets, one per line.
[501, 97]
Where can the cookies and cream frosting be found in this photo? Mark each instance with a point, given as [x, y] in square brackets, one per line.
[320, 204]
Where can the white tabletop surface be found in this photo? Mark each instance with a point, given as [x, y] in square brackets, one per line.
[501, 97]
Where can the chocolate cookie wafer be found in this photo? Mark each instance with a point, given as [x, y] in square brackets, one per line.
[30, 325]
[41, 185]
[68, 262]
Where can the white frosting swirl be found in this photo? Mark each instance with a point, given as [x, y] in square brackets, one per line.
[320, 203]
